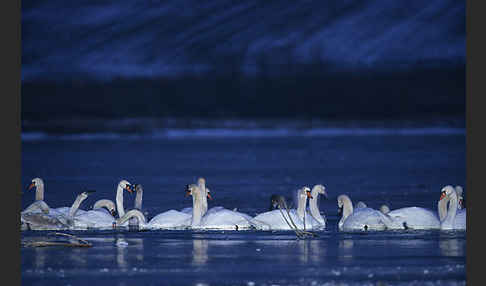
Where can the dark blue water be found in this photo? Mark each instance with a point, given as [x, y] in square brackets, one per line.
[407, 169]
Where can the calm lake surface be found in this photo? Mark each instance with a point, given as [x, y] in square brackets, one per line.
[397, 169]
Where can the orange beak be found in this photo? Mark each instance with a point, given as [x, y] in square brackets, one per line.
[31, 186]
[129, 189]
[309, 195]
[188, 193]
[209, 196]
[442, 195]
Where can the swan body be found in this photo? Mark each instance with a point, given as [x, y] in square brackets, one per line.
[101, 216]
[363, 218]
[49, 221]
[98, 217]
[171, 219]
[454, 219]
[273, 220]
[217, 217]
[413, 218]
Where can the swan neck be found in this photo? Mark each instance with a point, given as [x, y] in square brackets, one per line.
[301, 206]
[204, 198]
[347, 208]
[132, 214]
[196, 208]
[314, 209]
[104, 203]
[74, 208]
[39, 192]
[138, 199]
[442, 208]
[119, 201]
[452, 209]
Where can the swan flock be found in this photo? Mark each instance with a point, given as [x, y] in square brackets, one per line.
[106, 214]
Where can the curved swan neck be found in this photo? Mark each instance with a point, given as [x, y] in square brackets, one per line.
[104, 203]
[39, 192]
[347, 209]
[131, 213]
[138, 198]
[119, 201]
[74, 208]
[452, 209]
[442, 208]
[314, 209]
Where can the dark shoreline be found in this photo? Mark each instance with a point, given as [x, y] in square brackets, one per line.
[425, 94]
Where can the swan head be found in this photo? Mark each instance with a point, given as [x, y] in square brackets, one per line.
[85, 194]
[36, 182]
[201, 181]
[320, 189]
[274, 201]
[124, 184]
[384, 209]
[305, 192]
[190, 189]
[208, 194]
[459, 191]
[446, 192]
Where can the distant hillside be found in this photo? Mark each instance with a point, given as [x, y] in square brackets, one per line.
[64, 40]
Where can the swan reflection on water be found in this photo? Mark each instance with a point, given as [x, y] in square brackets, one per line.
[452, 247]
[345, 250]
[199, 251]
[128, 247]
[40, 257]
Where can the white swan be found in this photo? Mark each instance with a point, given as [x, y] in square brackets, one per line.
[273, 220]
[360, 218]
[205, 193]
[201, 184]
[454, 218]
[98, 218]
[48, 221]
[217, 217]
[38, 205]
[137, 204]
[319, 220]
[410, 218]
[173, 219]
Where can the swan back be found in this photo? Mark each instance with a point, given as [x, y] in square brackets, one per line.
[360, 204]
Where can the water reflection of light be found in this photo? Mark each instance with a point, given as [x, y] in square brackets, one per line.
[40, 257]
[78, 255]
[199, 251]
[346, 250]
[308, 250]
[121, 249]
[452, 247]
